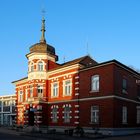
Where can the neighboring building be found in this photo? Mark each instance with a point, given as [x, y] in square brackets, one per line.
[7, 110]
[81, 93]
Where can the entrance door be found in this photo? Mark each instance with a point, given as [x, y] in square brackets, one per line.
[31, 118]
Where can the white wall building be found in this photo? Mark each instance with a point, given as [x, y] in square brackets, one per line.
[7, 110]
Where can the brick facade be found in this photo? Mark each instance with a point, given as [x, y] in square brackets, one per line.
[63, 96]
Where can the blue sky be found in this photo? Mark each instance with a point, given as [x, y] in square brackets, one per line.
[111, 28]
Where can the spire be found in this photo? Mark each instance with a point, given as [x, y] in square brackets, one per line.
[43, 40]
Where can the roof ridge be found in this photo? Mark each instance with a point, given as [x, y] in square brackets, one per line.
[80, 58]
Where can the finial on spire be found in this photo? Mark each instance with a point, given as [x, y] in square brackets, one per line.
[42, 40]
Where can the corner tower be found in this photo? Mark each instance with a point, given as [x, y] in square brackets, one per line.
[41, 58]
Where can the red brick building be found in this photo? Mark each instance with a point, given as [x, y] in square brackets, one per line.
[81, 93]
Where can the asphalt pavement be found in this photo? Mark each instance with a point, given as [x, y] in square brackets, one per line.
[11, 134]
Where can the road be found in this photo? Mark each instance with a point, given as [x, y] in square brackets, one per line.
[130, 137]
[8, 134]
[4, 136]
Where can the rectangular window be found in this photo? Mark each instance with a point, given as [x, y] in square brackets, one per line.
[40, 66]
[54, 115]
[40, 90]
[95, 114]
[32, 67]
[55, 90]
[67, 87]
[95, 83]
[138, 114]
[124, 86]
[124, 114]
[20, 96]
[67, 114]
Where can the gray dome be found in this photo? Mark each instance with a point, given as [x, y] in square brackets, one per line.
[42, 47]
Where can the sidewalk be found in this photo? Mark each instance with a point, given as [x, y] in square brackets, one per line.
[7, 130]
[55, 136]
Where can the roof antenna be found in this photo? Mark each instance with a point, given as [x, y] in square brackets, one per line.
[87, 46]
[64, 59]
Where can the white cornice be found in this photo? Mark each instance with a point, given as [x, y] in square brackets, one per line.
[101, 65]
[36, 55]
[10, 96]
[63, 69]
[97, 98]
[20, 81]
[62, 75]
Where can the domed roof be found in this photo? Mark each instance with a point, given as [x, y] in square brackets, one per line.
[42, 47]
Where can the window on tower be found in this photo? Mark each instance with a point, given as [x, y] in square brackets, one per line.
[40, 66]
[32, 67]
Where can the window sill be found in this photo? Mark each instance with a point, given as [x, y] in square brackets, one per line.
[54, 122]
[124, 91]
[125, 123]
[53, 97]
[94, 91]
[94, 123]
[66, 95]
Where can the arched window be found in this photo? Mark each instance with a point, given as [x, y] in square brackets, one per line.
[95, 83]
[32, 67]
[67, 114]
[54, 115]
[40, 66]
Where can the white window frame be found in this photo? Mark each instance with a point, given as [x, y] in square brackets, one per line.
[124, 115]
[67, 88]
[95, 114]
[40, 66]
[40, 90]
[95, 83]
[55, 89]
[67, 114]
[32, 67]
[54, 115]
[138, 115]
[20, 99]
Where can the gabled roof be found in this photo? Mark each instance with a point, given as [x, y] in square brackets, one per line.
[116, 62]
[85, 61]
[20, 80]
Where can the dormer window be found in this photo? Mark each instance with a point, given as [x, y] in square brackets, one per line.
[40, 66]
